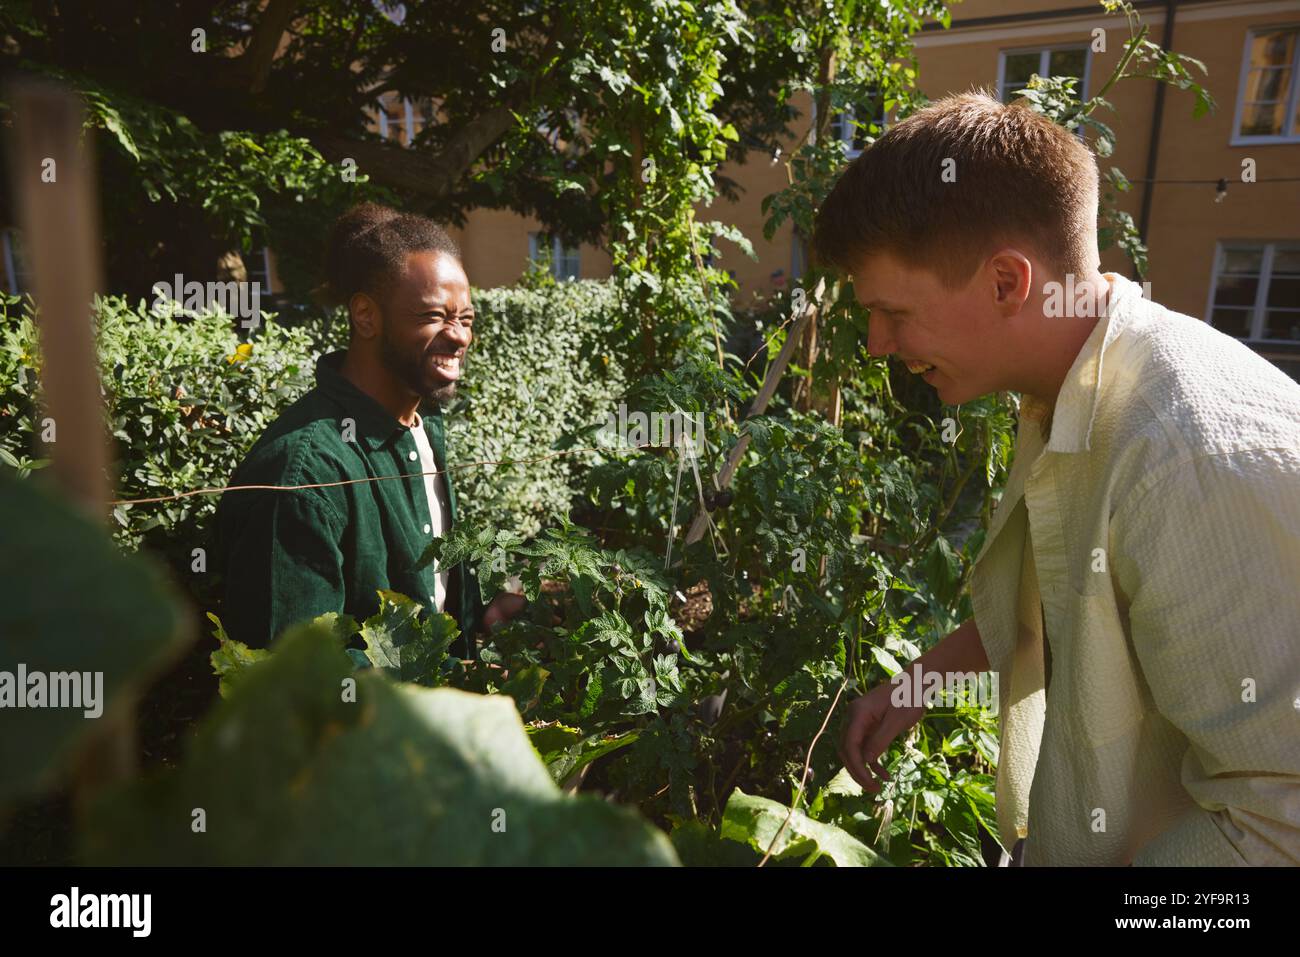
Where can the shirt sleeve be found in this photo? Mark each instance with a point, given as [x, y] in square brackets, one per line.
[283, 566]
[1210, 559]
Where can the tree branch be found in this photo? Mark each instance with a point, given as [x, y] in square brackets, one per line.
[431, 175]
[252, 67]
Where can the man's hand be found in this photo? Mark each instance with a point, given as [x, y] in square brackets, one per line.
[874, 721]
[504, 607]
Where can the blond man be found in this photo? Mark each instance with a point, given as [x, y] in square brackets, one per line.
[1138, 591]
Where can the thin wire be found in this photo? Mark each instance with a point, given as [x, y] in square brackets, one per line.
[1214, 182]
[372, 478]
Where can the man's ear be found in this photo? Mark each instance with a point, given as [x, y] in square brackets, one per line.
[367, 319]
[1013, 275]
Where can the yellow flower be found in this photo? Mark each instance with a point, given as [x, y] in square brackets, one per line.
[243, 352]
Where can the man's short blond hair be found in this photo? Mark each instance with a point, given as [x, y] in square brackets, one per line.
[1016, 178]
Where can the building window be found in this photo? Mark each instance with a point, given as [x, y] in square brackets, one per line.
[853, 127]
[564, 137]
[1256, 291]
[1016, 67]
[1268, 94]
[564, 259]
[400, 120]
[15, 263]
[257, 267]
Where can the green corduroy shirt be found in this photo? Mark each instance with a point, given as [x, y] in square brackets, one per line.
[289, 556]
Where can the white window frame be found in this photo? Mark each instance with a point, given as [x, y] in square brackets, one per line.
[1260, 307]
[847, 116]
[847, 129]
[1044, 58]
[1293, 94]
[407, 121]
[559, 254]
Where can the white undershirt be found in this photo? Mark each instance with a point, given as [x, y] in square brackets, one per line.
[439, 513]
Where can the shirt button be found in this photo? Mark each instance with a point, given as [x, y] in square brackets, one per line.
[412, 456]
[428, 529]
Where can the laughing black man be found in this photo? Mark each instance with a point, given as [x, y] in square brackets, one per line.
[376, 410]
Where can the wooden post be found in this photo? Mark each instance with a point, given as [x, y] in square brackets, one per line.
[54, 187]
[54, 183]
[774, 373]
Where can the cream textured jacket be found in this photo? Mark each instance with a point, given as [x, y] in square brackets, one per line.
[1156, 532]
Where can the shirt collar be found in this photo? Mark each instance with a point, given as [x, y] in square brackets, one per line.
[1076, 403]
[376, 426]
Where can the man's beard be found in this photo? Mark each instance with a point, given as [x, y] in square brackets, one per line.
[410, 370]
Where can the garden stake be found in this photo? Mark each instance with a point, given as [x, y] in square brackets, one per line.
[774, 373]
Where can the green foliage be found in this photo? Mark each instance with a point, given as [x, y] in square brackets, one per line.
[228, 174]
[875, 72]
[657, 91]
[185, 399]
[765, 824]
[545, 361]
[814, 579]
[694, 681]
[394, 774]
[399, 640]
[232, 659]
[71, 605]
[238, 188]
[406, 645]
[187, 395]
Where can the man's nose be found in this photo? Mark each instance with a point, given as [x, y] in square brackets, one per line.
[880, 338]
[458, 333]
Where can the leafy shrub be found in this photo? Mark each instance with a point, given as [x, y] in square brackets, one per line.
[185, 399]
[346, 766]
[545, 362]
[354, 767]
[187, 396]
[811, 587]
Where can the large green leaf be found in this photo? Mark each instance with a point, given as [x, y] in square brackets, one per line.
[406, 645]
[71, 602]
[757, 820]
[565, 751]
[293, 768]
